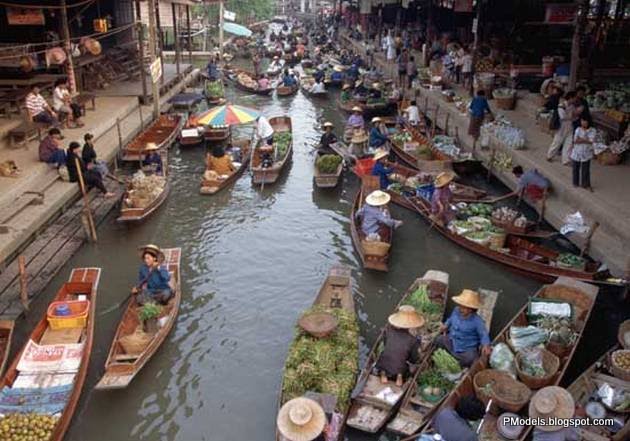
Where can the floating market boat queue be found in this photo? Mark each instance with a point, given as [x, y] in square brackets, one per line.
[429, 375]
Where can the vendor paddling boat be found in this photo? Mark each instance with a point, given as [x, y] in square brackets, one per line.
[162, 132]
[269, 161]
[132, 348]
[46, 377]
[517, 253]
[332, 313]
[212, 184]
[418, 406]
[6, 335]
[584, 393]
[374, 254]
[373, 403]
[508, 395]
[246, 81]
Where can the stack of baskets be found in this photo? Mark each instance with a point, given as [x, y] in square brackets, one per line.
[504, 99]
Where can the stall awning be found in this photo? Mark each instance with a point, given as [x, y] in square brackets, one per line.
[236, 29]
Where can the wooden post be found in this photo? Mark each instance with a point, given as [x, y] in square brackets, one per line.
[176, 38]
[221, 20]
[143, 67]
[119, 134]
[141, 118]
[426, 105]
[581, 21]
[23, 281]
[153, 52]
[190, 48]
[543, 207]
[448, 115]
[160, 37]
[86, 202]
[589, 236]
[435, 115]
[66, 37]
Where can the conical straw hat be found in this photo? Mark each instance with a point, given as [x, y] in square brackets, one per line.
[377, 198]
[443, 179]
[468, 298]
[551, 402]
[406, 318]
[301, 419]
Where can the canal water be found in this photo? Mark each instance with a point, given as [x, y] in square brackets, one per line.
[252, 261]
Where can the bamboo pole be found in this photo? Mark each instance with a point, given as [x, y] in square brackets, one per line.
[143, 68]
[160, 38]
[543, 207]
[86, 204]
[435, 116]
[448, 115]
[152, 51]
[190, 48]
[23, 282]
[176, 36]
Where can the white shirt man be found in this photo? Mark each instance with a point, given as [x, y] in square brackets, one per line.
[413, 114]
[318, 88]
[263, 128]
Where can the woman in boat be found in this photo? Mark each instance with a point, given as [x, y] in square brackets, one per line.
[263, 82]
[356, 121]
[88, 154]
[346, 93]
[211, 68]
[380, 169]
[152, 159]
[327, 139]
[302, 419]
[441, 199]
[91, 178]
[219, 162]
[377, 138]
[453, 424]
[318, 87]
[465, 331]
[376, 222]
[553, 402]
[401, 348]
[153, 277]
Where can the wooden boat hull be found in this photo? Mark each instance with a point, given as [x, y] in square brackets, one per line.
[369, 261]
[140, 214]
[271, 174]
[122, 368]
[581, 295]
[82, 281]
[324, 298]
[286, 90]
[162, 132]
[233, 78]
[365, 401]
[211, 188]
[327, 180]
[6, 336]
[216, 134]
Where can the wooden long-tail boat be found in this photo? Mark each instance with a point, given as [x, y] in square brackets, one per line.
[233, 77]
[121, 366]
[368, 412]
[334, 294]
[585, 387]
[416, 410]
[27, 373]
[378, 261]
[130, 211]
[214, 186]
[269, 175]
[6, 335]
[582, 298]
[191, 134]
[327, 180]
[287, 90]
[214, 92]
[163, 132]
[518, 254]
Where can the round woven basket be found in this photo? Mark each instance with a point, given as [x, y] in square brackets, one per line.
[505, 103]
[318, 324]
[557, 349]
[375, 248]
[617, 371]
[136, 342]
[551, 364]
[505, 392]
[623, 329]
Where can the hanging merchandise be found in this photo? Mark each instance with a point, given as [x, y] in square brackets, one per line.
[100, 25]
[55, 56]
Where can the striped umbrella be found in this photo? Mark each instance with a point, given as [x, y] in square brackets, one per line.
[227, 115]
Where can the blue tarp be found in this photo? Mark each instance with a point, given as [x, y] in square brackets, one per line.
[50, 400]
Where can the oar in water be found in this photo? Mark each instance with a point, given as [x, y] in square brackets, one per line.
[136, 287]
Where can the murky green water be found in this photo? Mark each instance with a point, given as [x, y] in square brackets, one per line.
[252, 261]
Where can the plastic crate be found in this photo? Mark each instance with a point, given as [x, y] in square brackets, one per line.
[364, 167]
[425, 191]
[79, 310]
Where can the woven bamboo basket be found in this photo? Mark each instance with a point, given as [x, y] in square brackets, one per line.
[505, 103]
[505, 392]
[608, 158]
[375, 248]
[136, 342]
[557, 349]
[551, 364]
[497, 240]
[319, 324]
[623, 329]
[617, 371]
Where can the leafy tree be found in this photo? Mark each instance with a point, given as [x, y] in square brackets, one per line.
[245, 10]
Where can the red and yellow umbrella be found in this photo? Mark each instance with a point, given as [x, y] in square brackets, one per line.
[227, 115]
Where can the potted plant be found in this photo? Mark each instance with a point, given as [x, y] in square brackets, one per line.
[148, 315]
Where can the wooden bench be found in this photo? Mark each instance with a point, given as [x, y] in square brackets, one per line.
[22, 134]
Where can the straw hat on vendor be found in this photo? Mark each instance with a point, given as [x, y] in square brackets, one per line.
[153, 250]
[380, 154]
[376, 86]
[443, 179]
[468, 299]
[151, 147]
[338, 68]
[378, 198]
[551, 402]
[376, 120]
[346, 86]
[357, 109]
[406, 318]
[301, 419]
[328, 124]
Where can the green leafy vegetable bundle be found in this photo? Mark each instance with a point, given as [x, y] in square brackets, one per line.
[214, 89]
[571, 260]
[326, 365]
[282, 141]
[327, 164]
[433, 378]
[445, 362]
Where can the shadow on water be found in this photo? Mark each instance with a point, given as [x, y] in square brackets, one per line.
[250, 264]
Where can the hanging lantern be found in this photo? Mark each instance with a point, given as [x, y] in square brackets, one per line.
[100, 25]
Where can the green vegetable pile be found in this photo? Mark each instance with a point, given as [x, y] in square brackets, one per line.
[214, 89]
[402, 137]
[327, 164]
[571, 260]
[431, 311]
[477, 209]
[282, 141]
[325, 365]
[395, 187]
[445, 362]
[433, 378]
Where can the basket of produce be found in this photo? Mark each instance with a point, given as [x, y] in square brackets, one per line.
[28, 426]
[432, 386]
[479, 237]
[375, 247]
[620, 364]
[623, 335]
[446, 364]
[571, 261]
[496, 238]
[536, 367]
[504, 98]
[318, 324]
[328, 164]
[609, 158]
[505, 392]
[135, 342]
[562, 337]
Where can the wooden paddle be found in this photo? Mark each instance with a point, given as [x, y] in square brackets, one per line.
[131, 293]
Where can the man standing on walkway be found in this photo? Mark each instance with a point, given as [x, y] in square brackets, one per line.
[568, 111]
[478, 109]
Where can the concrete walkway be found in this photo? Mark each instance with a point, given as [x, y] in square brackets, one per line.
[609, 204]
